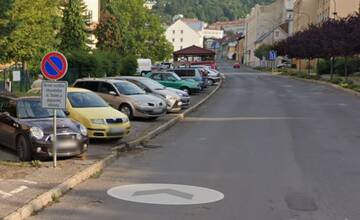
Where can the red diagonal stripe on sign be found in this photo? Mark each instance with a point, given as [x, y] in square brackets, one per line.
[53, 65]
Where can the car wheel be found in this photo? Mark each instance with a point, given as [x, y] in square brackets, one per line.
[23, 149]
[211, 82]
[185, 89]
[126, 109]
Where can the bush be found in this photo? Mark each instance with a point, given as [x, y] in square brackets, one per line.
[129, 65]
[339, 66]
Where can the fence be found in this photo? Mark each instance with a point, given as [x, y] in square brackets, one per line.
[20, 80]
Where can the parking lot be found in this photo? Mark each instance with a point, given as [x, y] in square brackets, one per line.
[20, 182]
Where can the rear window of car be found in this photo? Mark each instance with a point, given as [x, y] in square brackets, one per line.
[185, 73]
[93, 86]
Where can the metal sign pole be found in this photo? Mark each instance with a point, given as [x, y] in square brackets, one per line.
[54, 140]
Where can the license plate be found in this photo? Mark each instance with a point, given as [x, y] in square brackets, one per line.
[116, 131]
[158, 110]
[67, 144]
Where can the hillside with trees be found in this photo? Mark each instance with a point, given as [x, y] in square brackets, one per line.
[206, 10]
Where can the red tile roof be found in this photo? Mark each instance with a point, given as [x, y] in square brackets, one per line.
[194, 50]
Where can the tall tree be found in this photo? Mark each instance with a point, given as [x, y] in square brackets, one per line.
[5, 7]
[32, 26]
[74, 33]
[129, 28]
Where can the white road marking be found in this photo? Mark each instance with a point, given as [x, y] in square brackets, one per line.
[6, 195]
[19, 180]
[242, 119]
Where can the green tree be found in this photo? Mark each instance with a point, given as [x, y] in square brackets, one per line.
[74, 33]
[5, 7]
[129, 28]
[263, 51]
[31, 30]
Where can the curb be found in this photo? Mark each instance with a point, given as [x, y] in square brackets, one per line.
[322, 83]
[43, 200]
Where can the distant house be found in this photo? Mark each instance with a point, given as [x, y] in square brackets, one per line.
[235, 26]
[93, 14]
[186, 32]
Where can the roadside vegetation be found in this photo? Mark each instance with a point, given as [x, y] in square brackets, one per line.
[127, 31]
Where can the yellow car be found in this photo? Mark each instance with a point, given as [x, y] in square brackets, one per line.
[101, 120]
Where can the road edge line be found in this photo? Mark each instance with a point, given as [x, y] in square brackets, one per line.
[46, 198]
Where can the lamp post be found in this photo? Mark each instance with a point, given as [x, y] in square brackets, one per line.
[335, 11]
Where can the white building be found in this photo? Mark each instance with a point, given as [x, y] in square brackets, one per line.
[188, 32]
[93, 13]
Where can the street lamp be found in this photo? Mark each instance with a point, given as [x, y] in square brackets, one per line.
[335, 11]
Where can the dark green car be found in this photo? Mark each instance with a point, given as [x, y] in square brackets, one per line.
[170, 79]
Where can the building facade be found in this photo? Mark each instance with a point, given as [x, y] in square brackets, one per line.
[188, 32]
[93, 14]
[267, 24]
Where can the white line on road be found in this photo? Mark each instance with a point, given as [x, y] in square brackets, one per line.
[5, 194]
[19, 180]
[13, 192]
[242, 119]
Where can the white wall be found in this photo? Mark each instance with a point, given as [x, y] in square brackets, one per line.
[94, 7]
[181, 36]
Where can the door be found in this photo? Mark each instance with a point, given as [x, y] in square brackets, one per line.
[158, 77]
[8, 124]
[170, 80]
[108, 92]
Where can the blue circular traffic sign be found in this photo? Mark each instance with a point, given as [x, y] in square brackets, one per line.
[54, 66]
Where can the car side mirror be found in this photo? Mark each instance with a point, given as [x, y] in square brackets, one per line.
[112, 93]
[67, 113]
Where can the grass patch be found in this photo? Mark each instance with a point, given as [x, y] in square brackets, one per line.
[96, 175]
[32, 164]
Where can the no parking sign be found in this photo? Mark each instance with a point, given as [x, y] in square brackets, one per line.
[54, 65]
[54, 94]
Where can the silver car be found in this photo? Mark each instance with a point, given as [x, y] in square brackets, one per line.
[176, 100]
[126, 97]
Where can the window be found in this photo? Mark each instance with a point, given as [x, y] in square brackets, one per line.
[181, 40]
[106, 88]
[173, 31]
[8, 106]
[156, 76]
[93, 86]
[173, 40]
[182, 31]
[277, 33]
[181, 47]
[169, 77]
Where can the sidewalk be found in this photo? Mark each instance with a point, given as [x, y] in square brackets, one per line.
[21, 183]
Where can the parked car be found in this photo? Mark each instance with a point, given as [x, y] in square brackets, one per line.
[214, 76]
[126, 97]
[209, 63]
[28, 128]
[284, 64]
[196, 74]
[170, 79]
[174, 101]
[101, 120]
[236, 65]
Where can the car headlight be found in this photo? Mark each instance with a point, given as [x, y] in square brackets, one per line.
[36, 133]
[98, 121]
[83, 130]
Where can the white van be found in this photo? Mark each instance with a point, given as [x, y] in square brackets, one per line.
[144, 66]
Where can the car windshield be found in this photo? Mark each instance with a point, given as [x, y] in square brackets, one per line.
[127, 88]
[86, 100]
[31, 109]
[152, 84]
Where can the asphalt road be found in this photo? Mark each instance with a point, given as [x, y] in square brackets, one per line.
[277, 148]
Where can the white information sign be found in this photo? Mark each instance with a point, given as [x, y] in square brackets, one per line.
[54, 94]
[16, 76]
